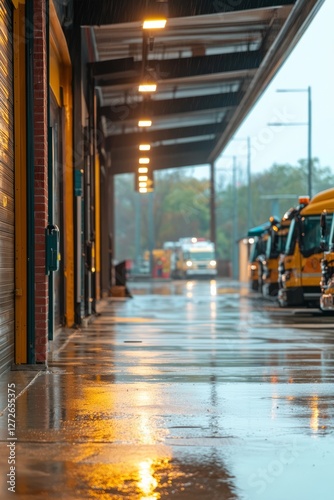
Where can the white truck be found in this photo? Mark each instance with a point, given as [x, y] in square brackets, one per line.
[192, 257]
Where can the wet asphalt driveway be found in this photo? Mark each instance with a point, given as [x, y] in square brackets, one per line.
[191, 390]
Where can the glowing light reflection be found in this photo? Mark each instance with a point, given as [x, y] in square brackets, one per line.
[314, 422]
[274, 405]
[213, 310]
[147, 482]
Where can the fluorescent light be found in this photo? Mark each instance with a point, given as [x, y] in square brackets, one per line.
[144, 147]
[142, 184]
[142, 190]
[144, 123]
[154, 24]
[142, 170]
[142, 178]
[147, 87]
[144, 161]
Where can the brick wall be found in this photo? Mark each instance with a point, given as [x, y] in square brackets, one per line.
[41, 182]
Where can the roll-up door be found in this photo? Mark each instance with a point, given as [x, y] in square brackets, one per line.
[6, 189]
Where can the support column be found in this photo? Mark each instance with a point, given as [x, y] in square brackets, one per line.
[137, 232]
[112, 228]
[151, 229]
[78, 162]
[104, 181]
[249, 185]
[212, 204]
[40, 79]
[235, 247]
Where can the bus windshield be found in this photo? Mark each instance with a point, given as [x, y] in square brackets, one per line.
[311, 235]
[257, 248]
[291, 239]
[276, 244]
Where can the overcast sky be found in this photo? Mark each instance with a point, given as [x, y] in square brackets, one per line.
[310, 64]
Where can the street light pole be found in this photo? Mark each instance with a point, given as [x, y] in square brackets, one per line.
[249, 185]
[309, 133]
[235, 253]
[309, 141]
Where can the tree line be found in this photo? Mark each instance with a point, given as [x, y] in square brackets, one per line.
[181, 205]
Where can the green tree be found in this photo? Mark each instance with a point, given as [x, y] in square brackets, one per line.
[182, 204]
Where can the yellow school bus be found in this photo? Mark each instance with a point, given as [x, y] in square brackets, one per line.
[301, 273]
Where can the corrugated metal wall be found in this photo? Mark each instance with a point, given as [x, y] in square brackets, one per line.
[6, 189]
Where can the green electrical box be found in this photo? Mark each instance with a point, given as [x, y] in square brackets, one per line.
[52, 248]
[77, 183]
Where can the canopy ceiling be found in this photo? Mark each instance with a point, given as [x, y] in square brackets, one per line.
[211, 63]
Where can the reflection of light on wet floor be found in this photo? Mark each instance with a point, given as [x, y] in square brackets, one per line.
[147, 482]
[213, 311]
[127, 319]
[190, 311]
[213, 288]
[222, 291]
[189, 288]
[274, 398]
[147, 431]
[314, 422]
[146, 436]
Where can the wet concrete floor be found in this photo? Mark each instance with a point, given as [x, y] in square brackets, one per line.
[189, 390]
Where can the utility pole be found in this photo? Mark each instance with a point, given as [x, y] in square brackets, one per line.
[309, 132]
[249, 185]
[235, 249]
[212, 204]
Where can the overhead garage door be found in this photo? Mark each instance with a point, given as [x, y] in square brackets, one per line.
[6, 189]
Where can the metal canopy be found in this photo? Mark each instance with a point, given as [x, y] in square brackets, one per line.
[211, 63]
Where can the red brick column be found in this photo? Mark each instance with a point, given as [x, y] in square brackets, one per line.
[41, 179]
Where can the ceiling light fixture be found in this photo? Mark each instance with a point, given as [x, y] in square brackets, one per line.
[147, 87]
[144, 123]
[144, 147]
[154, 24]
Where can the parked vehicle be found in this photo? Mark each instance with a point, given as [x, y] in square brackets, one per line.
[275, 240]
[267, 244]
[192, 257]
[327, 263]
[257, 246]
[301, 263]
